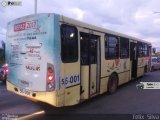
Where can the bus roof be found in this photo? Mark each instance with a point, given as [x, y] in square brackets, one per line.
[98, 29]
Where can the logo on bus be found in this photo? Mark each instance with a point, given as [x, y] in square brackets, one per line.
[24, 83]
[33, 67]
[26, 25]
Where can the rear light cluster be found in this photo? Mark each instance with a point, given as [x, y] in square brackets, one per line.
[50, 73]
[5, 68]
[50, 86]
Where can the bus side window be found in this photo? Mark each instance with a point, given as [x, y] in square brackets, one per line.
[69, 43]
[111, 47]
[140, 49]
[145, 49]
[124, 47]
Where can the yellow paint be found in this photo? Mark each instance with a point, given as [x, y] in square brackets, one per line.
[60, 97]
[103, 85]
[47, 97]
[130, 74]
[140, 71]
[93, 78]
[124, 77]
[85, 82]
[71, 95]
[140, 67]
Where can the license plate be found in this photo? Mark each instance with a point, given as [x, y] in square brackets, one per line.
[24, 91]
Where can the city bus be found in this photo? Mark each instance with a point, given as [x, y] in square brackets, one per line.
[62, 62]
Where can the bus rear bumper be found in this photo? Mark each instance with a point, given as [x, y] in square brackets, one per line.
[47, 97]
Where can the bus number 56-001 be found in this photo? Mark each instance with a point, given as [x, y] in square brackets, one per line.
[71, 80]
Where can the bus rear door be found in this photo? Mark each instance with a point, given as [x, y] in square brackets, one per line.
[90, 64]
[133, 59]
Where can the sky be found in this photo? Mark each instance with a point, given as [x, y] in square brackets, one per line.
[138, 18]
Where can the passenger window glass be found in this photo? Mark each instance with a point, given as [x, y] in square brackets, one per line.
[111, 47]
[84, 41]
[143, 50]
[140, 49]
[124, 47]
[88, 48]
[69, 43]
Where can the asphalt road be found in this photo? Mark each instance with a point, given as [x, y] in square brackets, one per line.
[127, 100]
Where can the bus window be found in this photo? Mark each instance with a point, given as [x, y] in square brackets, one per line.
[69, 43]
[124, 47]
[145, 50]
[140, 49]
[88, 48]
[93, 50]
[84, 48]
[111, 47]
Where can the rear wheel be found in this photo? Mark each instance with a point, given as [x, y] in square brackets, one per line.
[152, 69]
[145, 69]
[4, 79]
[112, 83]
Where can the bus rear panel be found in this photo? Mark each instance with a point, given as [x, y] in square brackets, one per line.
[33, 55]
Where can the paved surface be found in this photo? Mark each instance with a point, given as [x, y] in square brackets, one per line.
[127, 100]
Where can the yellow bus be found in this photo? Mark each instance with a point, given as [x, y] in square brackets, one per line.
[62, 61]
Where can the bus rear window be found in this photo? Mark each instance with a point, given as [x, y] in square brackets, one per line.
[69, 43]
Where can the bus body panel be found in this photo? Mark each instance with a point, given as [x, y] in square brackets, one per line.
[33, 46]
[52, 97]
[142, 63]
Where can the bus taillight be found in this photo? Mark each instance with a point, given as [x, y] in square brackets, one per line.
[6, 70]
[50, 77]
[50, 73]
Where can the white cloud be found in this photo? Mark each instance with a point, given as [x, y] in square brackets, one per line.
[77, 12]
[140, 15]
[157, 21]
[132, 17]
[3, 31]
[2, 35]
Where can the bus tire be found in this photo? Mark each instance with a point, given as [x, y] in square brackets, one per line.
[152, 68]
[145, 69]
[4, 81]
[5, 78]
[112, 83]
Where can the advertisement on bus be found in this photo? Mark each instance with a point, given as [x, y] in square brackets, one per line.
[33, 52]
